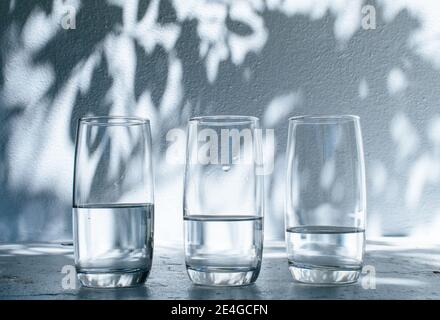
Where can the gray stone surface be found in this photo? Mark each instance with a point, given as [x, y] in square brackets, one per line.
[403, 271]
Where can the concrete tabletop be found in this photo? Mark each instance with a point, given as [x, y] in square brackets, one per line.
[396, 268]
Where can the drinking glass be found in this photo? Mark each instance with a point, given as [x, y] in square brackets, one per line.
[113, 212]
[325, 199]
[223, 200]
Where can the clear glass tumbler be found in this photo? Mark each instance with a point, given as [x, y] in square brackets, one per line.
[325, 199]
[223, 200]
[113, 212]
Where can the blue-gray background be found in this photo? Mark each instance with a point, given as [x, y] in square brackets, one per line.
[168, 60]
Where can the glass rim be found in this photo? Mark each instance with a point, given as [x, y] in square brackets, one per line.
[225, 120]
[113, 121]
[318, 119]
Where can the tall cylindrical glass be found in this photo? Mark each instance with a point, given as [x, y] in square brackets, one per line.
[325, 199]
[223, 200]
[113, 212]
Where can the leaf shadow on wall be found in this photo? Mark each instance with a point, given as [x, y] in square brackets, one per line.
[300, 55]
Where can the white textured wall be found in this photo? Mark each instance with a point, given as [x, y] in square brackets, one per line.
[168, 60]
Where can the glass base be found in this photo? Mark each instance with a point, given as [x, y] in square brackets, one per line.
[113, 279]
[323, 276]
[222, 277]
